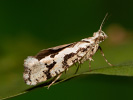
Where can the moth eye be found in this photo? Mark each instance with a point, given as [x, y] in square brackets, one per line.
[102, 33]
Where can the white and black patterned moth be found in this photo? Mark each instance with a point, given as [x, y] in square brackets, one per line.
[54, 61]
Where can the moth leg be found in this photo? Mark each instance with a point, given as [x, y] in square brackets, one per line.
[66, 69]
[104, 56]
[77, 68]
[91, 59]
[55, 80]
[89, 65]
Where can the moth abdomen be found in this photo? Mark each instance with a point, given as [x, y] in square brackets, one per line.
[33, 72]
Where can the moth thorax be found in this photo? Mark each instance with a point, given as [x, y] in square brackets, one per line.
[100, 35]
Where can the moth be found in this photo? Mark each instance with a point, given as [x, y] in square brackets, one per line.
[52, 62]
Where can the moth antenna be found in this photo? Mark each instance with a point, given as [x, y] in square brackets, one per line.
[103, 22]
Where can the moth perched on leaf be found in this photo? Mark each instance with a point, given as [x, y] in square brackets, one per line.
[54, 61]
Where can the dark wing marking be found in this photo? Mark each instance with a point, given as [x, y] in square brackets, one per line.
[53, 51]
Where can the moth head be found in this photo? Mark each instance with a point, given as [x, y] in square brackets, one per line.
[100, 35]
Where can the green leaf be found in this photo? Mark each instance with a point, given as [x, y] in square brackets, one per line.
[125, 69]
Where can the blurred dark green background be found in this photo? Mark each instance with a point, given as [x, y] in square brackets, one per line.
[27, 26]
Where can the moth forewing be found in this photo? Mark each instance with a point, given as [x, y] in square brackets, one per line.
[54, 61]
